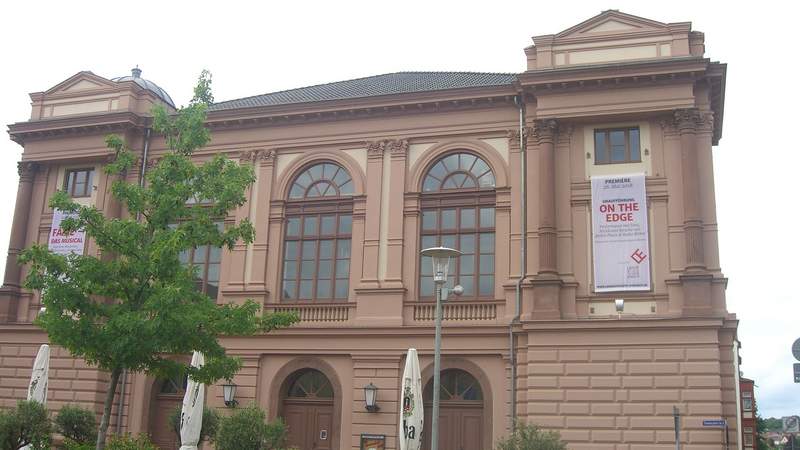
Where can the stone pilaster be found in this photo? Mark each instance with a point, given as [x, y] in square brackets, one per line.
[9, 293]
[257, 209]
[398, 155]
[695, 280]
[687, 121]
[546, 282]
[369, 274]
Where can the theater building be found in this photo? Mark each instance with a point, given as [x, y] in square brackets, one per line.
[355, 177]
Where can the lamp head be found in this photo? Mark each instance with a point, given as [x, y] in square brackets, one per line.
[441, 261]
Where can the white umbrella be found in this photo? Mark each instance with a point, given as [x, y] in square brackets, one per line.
[192, 410]
[411, 414]
[37, 389]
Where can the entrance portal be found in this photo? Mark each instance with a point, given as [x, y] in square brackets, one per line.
[308, 410]
[460, 412]
[167, 396]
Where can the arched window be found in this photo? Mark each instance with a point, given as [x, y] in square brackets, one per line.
[310, 384]
[458, 212]
[319, 220]
[455, 385]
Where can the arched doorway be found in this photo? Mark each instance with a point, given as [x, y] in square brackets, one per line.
[460, 411]
[167, 396]
[307, 408]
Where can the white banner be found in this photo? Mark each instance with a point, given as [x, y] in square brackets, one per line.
[62, 243]
[619, 233]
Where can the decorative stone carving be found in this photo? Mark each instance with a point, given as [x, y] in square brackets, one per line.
[27, 170]
[394, 146]
[376, 148]
[254, 156]
[687, 119]
[513, 135]
[545, 130]
[398, 147]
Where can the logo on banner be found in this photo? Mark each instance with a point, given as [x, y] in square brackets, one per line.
[408, 401]
[638, 256]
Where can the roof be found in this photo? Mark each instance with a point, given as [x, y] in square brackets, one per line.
[147, 84]
[374, 86]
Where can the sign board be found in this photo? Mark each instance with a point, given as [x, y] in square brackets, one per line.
[797, 372]
[714, 423]
[373, 442]
[620, 240]
[61, 243]
[796, 349]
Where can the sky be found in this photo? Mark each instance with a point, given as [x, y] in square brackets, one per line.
[258, 47]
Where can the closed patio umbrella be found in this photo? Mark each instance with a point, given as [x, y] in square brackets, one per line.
[411, 414]
[192, 409]
[37, 389]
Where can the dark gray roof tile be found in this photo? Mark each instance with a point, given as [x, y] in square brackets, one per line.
[374, 86]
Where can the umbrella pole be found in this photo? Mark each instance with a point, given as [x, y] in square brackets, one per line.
[436, 370]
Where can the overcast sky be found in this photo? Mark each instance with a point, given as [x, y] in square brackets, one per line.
[279, 45]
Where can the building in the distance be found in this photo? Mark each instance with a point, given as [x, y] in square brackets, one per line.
[356, 177]
[748, 405]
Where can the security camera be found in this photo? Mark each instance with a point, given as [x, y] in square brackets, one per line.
[457, 290]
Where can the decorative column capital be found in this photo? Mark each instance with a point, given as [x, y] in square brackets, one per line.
[687, 120]
[376, 148]
[258, 156]
[27, 170]
[513, 135]
[398, 147]
[545, 130]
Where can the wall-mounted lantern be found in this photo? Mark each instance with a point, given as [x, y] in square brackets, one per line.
[371, 397]
[229, 394]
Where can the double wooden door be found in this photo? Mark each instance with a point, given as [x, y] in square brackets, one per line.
[460, 426]
[310, 424]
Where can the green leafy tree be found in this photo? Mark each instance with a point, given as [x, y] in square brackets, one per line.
[135, 305]
[27, 424]
[248, 429]
[530, 437]
[76, 424]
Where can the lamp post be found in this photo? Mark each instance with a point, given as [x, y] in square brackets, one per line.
[441, 262]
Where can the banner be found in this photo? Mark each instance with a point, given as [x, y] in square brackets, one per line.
[62, 243]
[619, 233]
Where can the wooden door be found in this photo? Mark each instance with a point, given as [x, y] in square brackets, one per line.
[460, 412]
[460, 428]
[167, 396]
[309, 424]
[308, 411]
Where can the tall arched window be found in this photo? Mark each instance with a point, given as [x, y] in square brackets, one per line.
[458, 212]
[319, 220]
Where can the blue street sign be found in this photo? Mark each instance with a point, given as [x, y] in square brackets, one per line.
[714, 423]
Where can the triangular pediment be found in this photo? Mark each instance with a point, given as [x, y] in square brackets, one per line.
[81, 81]
[612, 22]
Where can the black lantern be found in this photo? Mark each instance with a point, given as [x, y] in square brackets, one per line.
[229, 394]
[371, 397]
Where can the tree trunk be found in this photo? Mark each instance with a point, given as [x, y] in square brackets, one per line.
[104, 421]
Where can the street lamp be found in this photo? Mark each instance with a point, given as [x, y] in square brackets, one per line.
[441, 263]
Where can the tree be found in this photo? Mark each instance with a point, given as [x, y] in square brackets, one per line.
[762, 443]
[248, 429]
[27, 424]
[136, 305]
[76, 424]
[530, 437]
